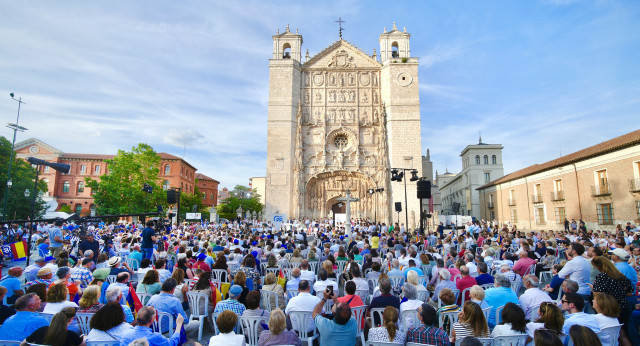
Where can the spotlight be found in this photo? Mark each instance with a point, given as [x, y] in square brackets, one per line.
[371, 191]
[394, 174]
[414, 175]
[399, 177]
[380, 189]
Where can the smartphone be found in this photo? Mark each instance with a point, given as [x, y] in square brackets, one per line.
[330, 288]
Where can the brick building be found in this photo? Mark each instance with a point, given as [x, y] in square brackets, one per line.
[69, 189]
[599, 184]
[223, 195]
[208, 188]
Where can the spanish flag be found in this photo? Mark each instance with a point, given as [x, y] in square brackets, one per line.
[19, 250]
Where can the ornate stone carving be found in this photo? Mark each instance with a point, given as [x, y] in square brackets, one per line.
[341, 60]
[318, 79]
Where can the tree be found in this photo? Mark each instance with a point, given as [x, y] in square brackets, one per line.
[119, 190]
[187, 201]
[22, 178]
[242, 196]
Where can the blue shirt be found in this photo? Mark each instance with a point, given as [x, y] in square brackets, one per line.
[293, 284]
[168, 303]
[137, 255]
[43, 250]
[21, 325]
[415, 269]
[582, 319]
[128, 315]
[53, 233]
[155, 339]
[496, 297]
[12, 284]
[629, 272]
[484, 279]
[333, 334]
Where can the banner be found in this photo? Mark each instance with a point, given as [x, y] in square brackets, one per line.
[18, 250]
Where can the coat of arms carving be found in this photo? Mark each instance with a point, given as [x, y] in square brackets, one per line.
[341, 59]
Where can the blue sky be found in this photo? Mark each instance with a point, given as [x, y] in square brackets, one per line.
[540, 77]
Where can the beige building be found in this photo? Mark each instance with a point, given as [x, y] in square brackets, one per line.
[258, 184]
[340, 121]
[599, 184]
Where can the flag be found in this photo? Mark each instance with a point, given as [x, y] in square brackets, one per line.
[19, 250]
[132, 299]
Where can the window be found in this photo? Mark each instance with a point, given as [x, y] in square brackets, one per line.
[65, 186]
[514, 216]
[539, 215]
[97, 169]
[80, 186]
[83, 168]
[167, 169]
[394, 50]
[165, 185]
[204, 196]
[78, 209]
[557, 185]
[211, 197]
[46, 169]
[93, 210]
[492, 215]
[560, 215]
[487, 177]
[605, 214]
[477, 159]
[486, 160]
[601, 178]
[494, 160]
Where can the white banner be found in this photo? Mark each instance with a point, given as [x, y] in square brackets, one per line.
[193, 216]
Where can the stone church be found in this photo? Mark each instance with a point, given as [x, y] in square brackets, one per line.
[340, 121]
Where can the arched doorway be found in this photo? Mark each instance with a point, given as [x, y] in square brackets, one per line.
[339, 212]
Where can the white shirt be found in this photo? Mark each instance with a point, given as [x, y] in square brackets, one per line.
[604, 322]
[503, 330]
[54, 308]
[531, 299]
[361, 284]
[227, 339]
[308, 275]
[413, 304]
[578, 270]
[304, 301]
[473, 268]
[320, 285]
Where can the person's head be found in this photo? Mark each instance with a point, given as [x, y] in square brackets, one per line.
[109, 316]
[606, 304]
[482, 268]
[464, 271]
[57, 293]
[270, 278]
[473, 316]
[604, 265]
[410, 292]
[169, 285]
[28, 302]
[385, 285]
[63, 273]
[412, 277]
[328, 266]
[160, 263]
[114, 293]
[546, 337]
[146, 316]
[90, 297]
[447, 296]
[444, 274]
[570, 286]
[342, 314]
[178, 275]
[151, 277]
[240, 279]
[501, 280]
[15, 271]
[303, 286]
[227, 321]
[234, 292]
[427, 315]
[476, 292]
[122, 278]
[295, 273]
[39, 289]
[512, 313]
[277, 322]
[57, 331]
[575, 249]
[252, 301]
[581, 335]
[531, 281]
[350, 287]
[470, 341]
[572, 303]
[390, 320]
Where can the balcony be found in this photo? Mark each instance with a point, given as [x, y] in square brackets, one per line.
[512, 201]
[536, 198]
[634, 185]
[490, 205]
[557, 196]
[600, 190]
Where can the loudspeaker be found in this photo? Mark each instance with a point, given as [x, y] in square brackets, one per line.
[398, 207]
[172, 196]
[456, 207]
[424, 189]
[194, 208]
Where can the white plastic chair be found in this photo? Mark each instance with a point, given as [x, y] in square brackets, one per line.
[363, 294]
[609, 335]
[487, 286]
[48, 317]
[195, 305]
[358, 313]
[409, 320]
[486, 312]
[423, 296]
[484, 341]
[511, 340]
[133, 263]
[396, 281]
[464, 294]
[499, 314]
[219, 274]
[13, 343]
[453, 317]
[157, 325]
[299, 322]
[455, 278]
[111, 278]
[251, 329]
[379, 313]
[266, 297]
[373, 283]
[456, 292]
[515, 286]
[291, 293]
[214, 319]
[144, 297]
[314, 266]
[84, 320]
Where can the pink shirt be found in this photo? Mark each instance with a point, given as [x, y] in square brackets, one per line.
[523, 264]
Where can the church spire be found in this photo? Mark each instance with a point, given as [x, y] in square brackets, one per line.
[480, 137]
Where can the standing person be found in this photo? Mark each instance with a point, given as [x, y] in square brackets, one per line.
[56, 239]
[577, 269]
[89, 244]
[613, 282]
[148, 238]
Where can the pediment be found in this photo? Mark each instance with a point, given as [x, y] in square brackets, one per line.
[341, 55]
[35, 146]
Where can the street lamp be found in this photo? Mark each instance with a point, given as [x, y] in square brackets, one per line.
[396, 175]
[15, 127]
[371, 192]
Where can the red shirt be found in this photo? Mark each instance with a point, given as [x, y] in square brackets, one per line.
[464, 283]
[201, 265]
[522, 265]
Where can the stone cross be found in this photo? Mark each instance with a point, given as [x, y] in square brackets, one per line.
[348, 201]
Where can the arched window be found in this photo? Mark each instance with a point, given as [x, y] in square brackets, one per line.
[80, 186]
[65, 186]
[394, 50]
[167, 169]
[286, 51]
[494, 160]
[477, 159]
[486, 160]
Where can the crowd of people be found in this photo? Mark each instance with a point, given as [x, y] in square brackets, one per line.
[248, 283]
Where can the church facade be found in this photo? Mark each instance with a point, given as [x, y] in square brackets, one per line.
[339, 121]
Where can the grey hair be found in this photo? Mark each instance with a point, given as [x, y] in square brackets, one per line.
[571, 285]
[113, 292]
[505, 266]
[410, 291]
[395, 263]
[532, 280]
[139, 342]
[63, 271]
[444, 274]
[502, 280]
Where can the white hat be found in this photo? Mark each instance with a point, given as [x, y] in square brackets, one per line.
[113, 261]
[621, 253]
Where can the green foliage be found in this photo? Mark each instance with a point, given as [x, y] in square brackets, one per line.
[22, 178]
[65, 209]
[240, 196]
[187, 201]
[119, 190]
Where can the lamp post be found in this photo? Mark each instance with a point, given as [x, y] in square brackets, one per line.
[15, 127]
[371, 192]
[396, 175]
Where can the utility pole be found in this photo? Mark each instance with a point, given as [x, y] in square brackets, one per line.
[15, 127]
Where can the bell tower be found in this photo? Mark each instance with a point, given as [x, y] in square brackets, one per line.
[287, 45]
[394, 44]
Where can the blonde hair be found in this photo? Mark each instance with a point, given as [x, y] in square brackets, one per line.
[328, 266]
[412, 277]
[390, 318]
[277, 322]
[270, 279]
[477, 291]
[240, 279]
[90, 297]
